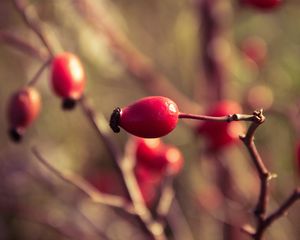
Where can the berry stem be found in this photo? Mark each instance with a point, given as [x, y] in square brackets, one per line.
[36, 77]
[228, 118]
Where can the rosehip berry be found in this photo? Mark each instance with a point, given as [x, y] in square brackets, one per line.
[174, 160]
[153, 155]
[254, 50]
[68, 78]
[149, 192]
[260, 96]
[148, 153]
[23, 109]
[149, 117]
[263, 4]
[221, 134]
[106, 182]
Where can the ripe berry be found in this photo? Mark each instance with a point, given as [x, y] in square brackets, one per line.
[174, 160]
[221, 134]
[23, 108]
[68, 78]
[263, 4]
[254, 50]
[147, 153]
[149, 117]
[106, 181]
[155, 156]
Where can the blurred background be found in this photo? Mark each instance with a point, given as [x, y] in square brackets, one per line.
[196, 52]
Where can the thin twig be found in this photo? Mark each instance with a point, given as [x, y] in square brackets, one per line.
[37, 75]
[85, 187]
[279, 212]
[166, 199]
[20, 44]
[228, 118]
[35, 215]
[31, 22]
[51, 188]
[125, 168]
[178, 222]
[137, 64]
[263, 173]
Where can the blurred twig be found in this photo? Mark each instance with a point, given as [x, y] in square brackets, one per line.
[47, 184]
[138, 65]
[85, 187]
[166, 199]
[124, 165]
[22, 45]
[39, 72]
[30, 19]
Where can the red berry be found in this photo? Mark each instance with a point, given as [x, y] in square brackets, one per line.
[221, 134]
[153, 155]
[23, 109]
[174, 160]
[263, 4]
[148, 153]
[254, 50]
[68, 77]
[149, 117]
[106, 181]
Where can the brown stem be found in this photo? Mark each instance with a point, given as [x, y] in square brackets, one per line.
[281, 211]
[36, 77]
[31, 22]
[263, 173]
[166, 199]
[18, 43]
[85, 187]
[214, 22]
[125, 167]
[228, 118]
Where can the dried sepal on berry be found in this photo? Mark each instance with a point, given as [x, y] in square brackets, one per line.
[68, 78]
[149, 117]
[23, 108]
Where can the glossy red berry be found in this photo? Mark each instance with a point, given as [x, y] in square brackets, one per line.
[149, 117]
[263, 4]
[221, 134]
[23, 109]
[68, 78]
